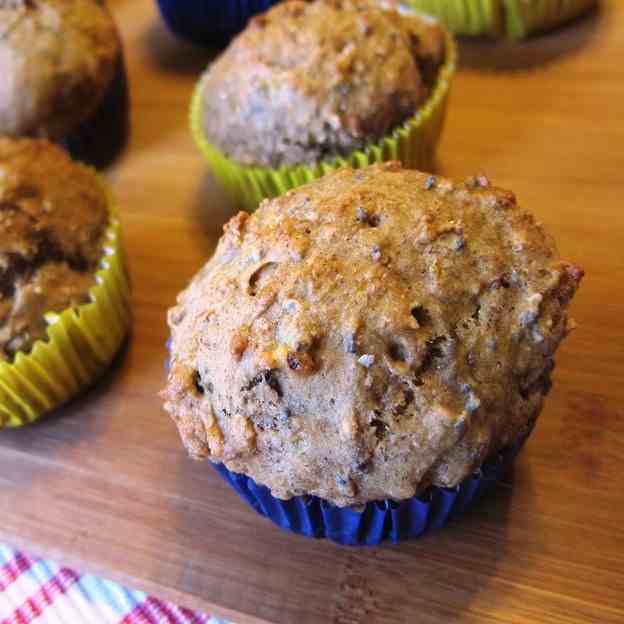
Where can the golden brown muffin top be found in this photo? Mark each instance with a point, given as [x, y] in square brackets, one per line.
[368, 335]
[311, 81]
[53, 215]
[57, 59]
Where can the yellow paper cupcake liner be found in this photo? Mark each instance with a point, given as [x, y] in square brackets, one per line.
[80, 344]
[414, 144]
[515, 19]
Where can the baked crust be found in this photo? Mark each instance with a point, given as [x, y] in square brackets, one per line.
[368, 335]
[53, 214]
[57, 59]
[310, 81]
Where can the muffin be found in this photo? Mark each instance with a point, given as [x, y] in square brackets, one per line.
[515, 19]
[63, 285]
[63, 76]
[210, 22]
[309, 87]
[357, 350]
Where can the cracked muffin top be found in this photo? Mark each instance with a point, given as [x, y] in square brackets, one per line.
[308, 81]
[57, 59]
[368, 335]
[53, 216]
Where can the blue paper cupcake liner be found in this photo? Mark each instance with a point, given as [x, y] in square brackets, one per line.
[210, 22]
[99, 140]
[379, 521]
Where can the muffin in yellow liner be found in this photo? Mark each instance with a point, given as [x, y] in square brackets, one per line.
[515, 19]
[413, 143]
[81, 340]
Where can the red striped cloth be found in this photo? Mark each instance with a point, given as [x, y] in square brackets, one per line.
[40, 592]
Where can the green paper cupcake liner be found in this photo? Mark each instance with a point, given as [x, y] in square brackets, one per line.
[465, 17]
[515, 19]
[525, 18]
[414, 144]
[80, 343]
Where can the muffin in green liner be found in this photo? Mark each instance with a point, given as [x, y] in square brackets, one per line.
[357, 84]
[515, 19]
[64, 291]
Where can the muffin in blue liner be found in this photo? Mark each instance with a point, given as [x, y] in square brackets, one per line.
[210, 22]
[66, 79]
[377, 522]
[358, 348]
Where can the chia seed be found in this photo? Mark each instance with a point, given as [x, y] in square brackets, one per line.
[268, 377]
[366, 360]
[365, 466]
[362, 215]
[528, 317]
[350, 343]
[430, 182]
[492, 344]
[459, 244]
[294, 363]
[290, 305]
[473, 403]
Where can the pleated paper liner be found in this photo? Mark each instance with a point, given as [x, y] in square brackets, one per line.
[515, 19]
[526, 18]
[99, 140]
[465, 17]
[80, 344]
[210, 22]
[414, 144]
[310, 516]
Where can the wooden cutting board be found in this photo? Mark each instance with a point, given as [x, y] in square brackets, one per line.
[105, 486]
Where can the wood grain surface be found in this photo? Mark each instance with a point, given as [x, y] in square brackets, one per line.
[104, 484]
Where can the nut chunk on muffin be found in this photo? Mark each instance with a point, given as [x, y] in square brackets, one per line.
[369, 335]
[308, 81]
[53, 215]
